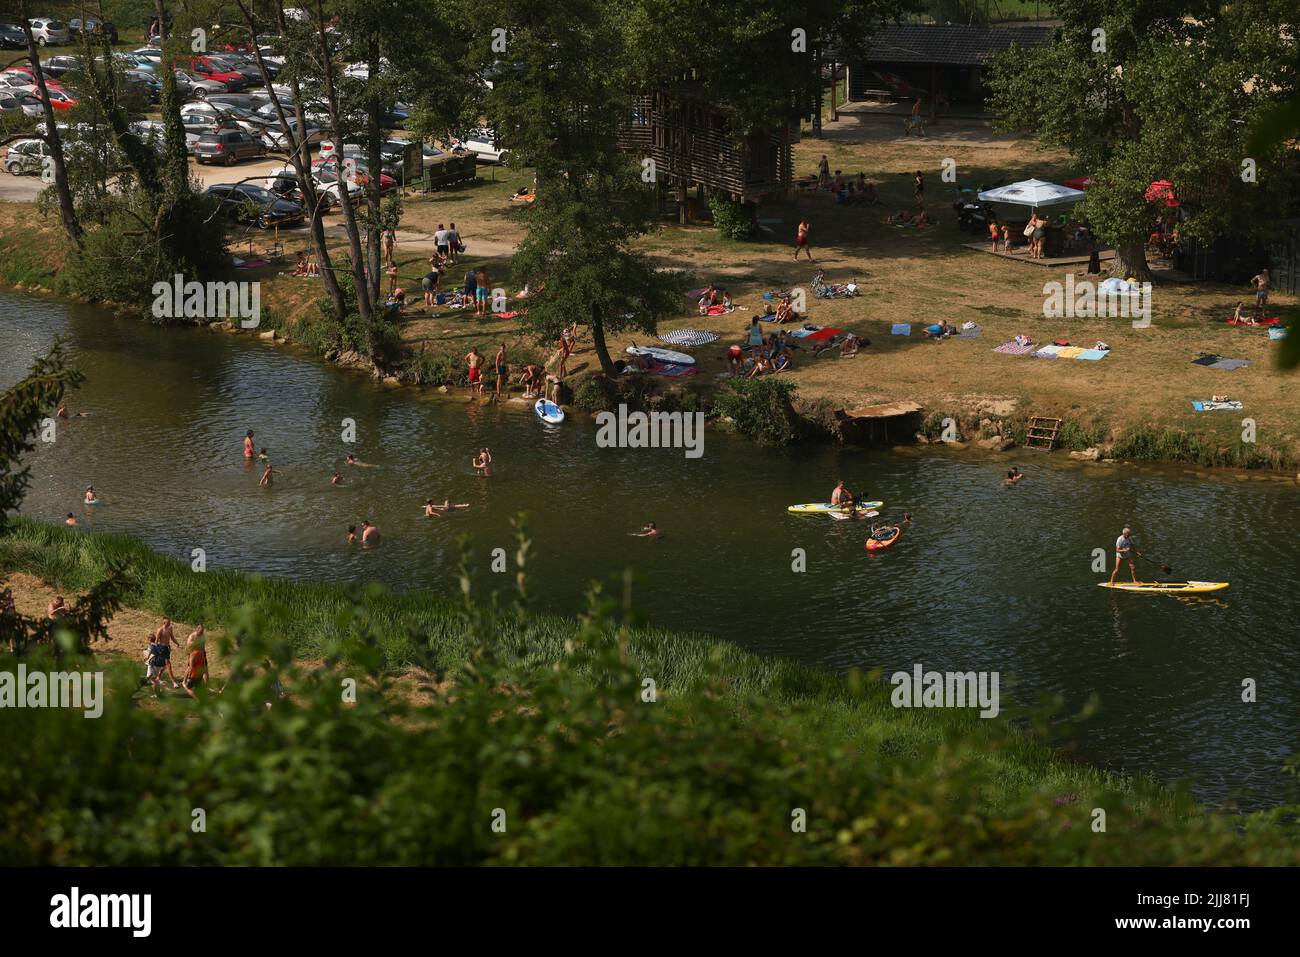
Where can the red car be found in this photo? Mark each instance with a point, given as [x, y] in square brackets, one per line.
[209, 70]
[60, 100]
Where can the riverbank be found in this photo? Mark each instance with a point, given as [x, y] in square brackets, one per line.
[733, 748]
[1134, 405]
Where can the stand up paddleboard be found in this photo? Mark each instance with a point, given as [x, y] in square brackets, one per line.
[661, 355]
[882, 538]
[821, 508]
[549, 412]
[1167, 588]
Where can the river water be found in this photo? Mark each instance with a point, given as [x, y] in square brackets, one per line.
[987, 579]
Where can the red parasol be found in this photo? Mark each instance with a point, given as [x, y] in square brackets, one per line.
[1161, 191]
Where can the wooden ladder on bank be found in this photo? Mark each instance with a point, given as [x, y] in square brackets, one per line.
[1041, 434]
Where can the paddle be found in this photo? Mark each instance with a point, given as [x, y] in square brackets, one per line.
[1164, 568]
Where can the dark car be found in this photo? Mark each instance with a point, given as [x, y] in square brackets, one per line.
[60, 66]
[12, 37]
[253, 205]
[228, 147]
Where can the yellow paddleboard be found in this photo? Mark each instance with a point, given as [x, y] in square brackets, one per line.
[821, 508]
[1167, 588]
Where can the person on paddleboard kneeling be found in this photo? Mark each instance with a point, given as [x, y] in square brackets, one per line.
[1124, 549]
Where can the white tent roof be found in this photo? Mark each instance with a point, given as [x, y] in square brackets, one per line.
[1032, 192]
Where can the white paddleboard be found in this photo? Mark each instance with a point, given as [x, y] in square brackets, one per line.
[661, 355]
[549, 412]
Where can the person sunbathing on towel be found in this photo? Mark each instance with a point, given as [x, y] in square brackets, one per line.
[849, 345]
[1242, 320]
[940, 330]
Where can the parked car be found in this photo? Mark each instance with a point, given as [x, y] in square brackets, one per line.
[149, 53]
[284, 182]
[327, 171]
[57, 66]
[482, 143]
[393, 150]
[132, 61]
[48, 32]
[60, 99]
[93, 26]
[199, 87]
[26, 156]
[239, 101]
[253, 205]
[12, 37]
[149, 86]
[276, 138]
[15, 104]
[228, 147]
[213, 70]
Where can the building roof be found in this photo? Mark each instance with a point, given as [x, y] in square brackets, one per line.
[951, 44]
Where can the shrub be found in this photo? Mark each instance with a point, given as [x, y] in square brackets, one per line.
[760, 408]
[734, 220]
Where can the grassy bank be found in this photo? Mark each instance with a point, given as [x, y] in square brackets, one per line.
[546, 721]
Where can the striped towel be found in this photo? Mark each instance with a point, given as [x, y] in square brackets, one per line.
[689, 337]
[1093, 355]
[901, 329]
[1013, 348]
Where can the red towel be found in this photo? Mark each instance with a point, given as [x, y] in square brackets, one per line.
[824, 334]
[1270, 321]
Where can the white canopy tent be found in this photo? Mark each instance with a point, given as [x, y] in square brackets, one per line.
[1033, 192]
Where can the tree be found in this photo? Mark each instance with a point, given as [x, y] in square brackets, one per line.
[24, 412]
[1157, 89]
[563, 108]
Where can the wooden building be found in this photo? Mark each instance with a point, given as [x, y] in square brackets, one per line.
[695, 151]
[936, 62]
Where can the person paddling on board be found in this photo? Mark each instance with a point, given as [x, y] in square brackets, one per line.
[1124, 549]
[841, 495]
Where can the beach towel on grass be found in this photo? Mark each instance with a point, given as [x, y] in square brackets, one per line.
[1093, 355]
[718, 310]
[689, 337]
[1230, 364]
[1277, 333]
[1207, 360]
[1270, 321]
[1232, 406]
[1048, 352]
[803, 333]
[1069, 352]
[901, 329]
[827, 333]
[1013, 348]
[973, 333]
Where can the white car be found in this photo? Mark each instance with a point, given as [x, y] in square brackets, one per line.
[361, 71]
[286, 176]
[47, 31]
[482, 143]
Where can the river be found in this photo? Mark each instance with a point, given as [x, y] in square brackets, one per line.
[987, 579]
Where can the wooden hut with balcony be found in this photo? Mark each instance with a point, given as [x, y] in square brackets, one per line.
[696, 153]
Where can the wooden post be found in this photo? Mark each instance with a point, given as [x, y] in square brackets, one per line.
[834, 89]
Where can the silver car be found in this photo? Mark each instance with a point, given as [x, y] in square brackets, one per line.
[47, 31]
[191, 84]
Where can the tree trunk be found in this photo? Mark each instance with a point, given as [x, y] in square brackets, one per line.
[817, 94]
[345, 200]
[598, 340]
[374, 135]
[299, 154]
[67, 211]
[1130, 261]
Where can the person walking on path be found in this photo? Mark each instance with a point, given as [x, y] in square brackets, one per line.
[801, 239]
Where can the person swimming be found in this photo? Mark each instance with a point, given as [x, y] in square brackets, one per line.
[369, 534]
[649, 531]
[1014, 475]
[336, 478]
[248, 444]
[352, 534]
[353, 460]
[267, 476]
[482, 463]
[91, 498]
[262, 454]
[432, 511]
[70, 520]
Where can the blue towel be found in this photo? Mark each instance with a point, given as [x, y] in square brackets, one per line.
[901, 329]
[1092, 354]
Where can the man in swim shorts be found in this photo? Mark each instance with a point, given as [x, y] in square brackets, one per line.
[1124, 549]
[474, 360]
[502, 368]
[1261, 284]
[369, 534]
[481, 293]
[801, 239]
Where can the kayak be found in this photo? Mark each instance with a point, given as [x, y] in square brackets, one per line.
[661, 355]
[549, 412]
[821, 508]
[882, 538]
[1167, 588]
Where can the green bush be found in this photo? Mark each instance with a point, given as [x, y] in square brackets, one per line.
[760, 408]
[734, 220]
